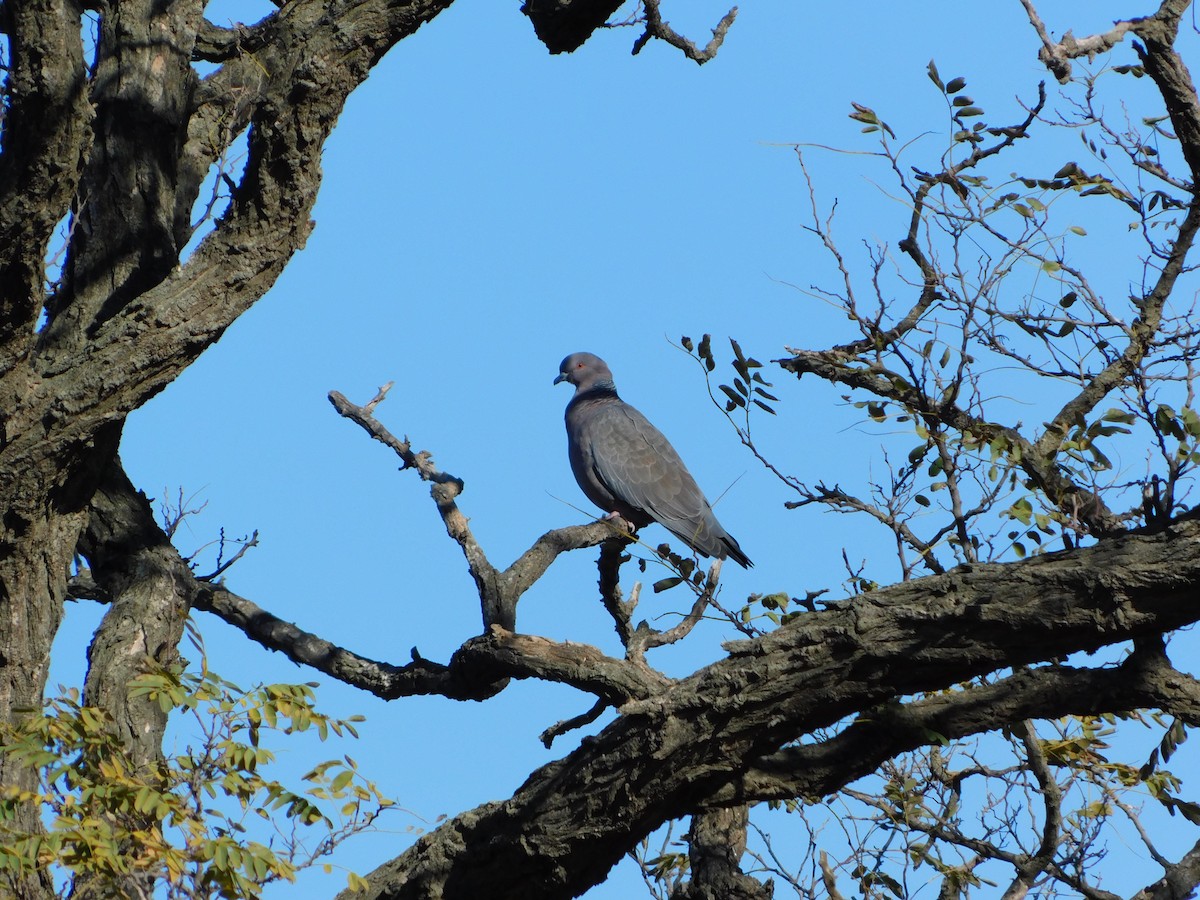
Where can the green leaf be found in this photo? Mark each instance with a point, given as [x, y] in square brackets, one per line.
[1022, 511]
[667, 583]
[954, 85]
[864, 114]
[1191, 421]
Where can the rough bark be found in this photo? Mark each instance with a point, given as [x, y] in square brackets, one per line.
[124, 148]
[699, 742]
[33, 573]
[46, 134]
[716, 842]
[149, 585]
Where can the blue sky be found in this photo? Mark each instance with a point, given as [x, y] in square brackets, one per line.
[486, 210]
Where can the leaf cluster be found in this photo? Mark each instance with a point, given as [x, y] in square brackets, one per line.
[182, 825]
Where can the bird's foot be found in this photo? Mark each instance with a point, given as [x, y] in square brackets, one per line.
[619, 521]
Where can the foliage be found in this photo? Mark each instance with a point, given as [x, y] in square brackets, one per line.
[1011, 316]
[184, 827]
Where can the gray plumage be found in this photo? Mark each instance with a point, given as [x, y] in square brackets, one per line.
[625, 466]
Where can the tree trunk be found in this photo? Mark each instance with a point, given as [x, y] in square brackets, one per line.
[37, 545]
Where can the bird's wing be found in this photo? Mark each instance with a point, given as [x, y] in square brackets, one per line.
[638, 465]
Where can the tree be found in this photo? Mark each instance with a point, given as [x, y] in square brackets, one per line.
[109, 126]
[795, 712]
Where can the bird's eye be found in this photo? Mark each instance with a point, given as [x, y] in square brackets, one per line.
[579, 365]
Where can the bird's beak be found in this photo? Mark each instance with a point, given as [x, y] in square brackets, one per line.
[562, 376]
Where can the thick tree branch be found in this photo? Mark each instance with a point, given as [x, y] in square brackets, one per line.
[1144, 680]
[46, 134]
[136, 351]
[696, 740]
[140, 571]
[1181, 879]
[716, 842]
[141, 90]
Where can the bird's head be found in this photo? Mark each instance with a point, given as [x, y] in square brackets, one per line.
[584, 370]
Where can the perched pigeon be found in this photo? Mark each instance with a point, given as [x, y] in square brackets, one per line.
[626, 466]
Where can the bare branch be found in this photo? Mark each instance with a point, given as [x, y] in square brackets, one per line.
[499, 592]
[1057, 56]
[657, 28]
[560, 728]
[1028, 870]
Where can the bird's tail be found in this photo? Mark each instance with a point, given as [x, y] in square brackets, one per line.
[735, 553]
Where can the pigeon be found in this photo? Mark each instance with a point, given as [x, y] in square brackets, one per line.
[626, 467]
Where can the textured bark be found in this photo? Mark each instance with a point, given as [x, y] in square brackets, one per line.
[124, 148]
[142, 89]
[694, 744]
[716, 842]
[45, 137]
[32, 584]
[118, 146]
[136, 566]
[150, 589]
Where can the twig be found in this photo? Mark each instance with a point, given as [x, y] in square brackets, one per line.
[225, 566]
[557, 730]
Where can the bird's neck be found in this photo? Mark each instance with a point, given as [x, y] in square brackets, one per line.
[601, 390]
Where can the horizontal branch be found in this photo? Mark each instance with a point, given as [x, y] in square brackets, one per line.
[1145, 680]
[837, 367]
[478, 670]
[694, 741]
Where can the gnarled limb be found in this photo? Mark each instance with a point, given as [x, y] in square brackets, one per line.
[695, 744]
[134, 563]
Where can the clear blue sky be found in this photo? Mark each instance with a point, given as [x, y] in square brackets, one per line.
[487, 209]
